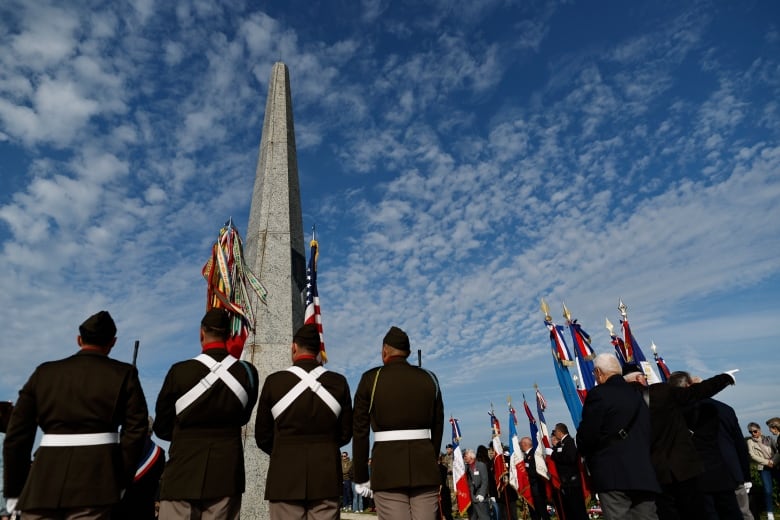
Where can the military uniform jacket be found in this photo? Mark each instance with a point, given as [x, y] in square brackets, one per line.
[85, 393]
[304, 440]
[206, 455]
[617, 463]
[405, 397]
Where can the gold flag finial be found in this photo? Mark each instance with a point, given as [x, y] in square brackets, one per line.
[566, 313]
[546, 310]
[610, 327]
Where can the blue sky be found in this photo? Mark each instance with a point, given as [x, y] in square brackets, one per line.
[460, 160]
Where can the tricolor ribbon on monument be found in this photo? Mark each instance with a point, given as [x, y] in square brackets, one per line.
[563, 362]
[518, 476]
[499, 466]
[459, 479]
[228, 281]
[312, 312]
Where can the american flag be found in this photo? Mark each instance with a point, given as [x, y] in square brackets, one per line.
[312, 314]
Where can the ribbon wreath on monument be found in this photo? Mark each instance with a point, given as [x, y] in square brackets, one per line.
[228, 281]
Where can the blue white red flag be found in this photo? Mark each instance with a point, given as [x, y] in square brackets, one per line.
[312, 313]
[583, 352]
[499, 466]
[633, 347]
[544, 437]
[518, 476]
[563, 362]
[459, 470]
[663, 370]
[538, 445]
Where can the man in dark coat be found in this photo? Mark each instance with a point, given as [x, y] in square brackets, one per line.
[723, 451]
[536, 482]
[80, 403]
[302, 427]
[402, 403]
[674, 456]
[567, 459]
[614, 437]
[201, 408]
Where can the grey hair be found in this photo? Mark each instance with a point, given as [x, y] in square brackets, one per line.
[469, 452]
[607, 363]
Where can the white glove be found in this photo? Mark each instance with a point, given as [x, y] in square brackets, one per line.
[732, 376]
[480, 498]
[493, 499]
[364, 489]
[748, 485]
[10, 505]
[548, 451]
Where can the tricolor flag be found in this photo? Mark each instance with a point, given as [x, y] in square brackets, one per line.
[518, 476]
[538, 445]
[632, 346]
[544, 434]
[499, 466]
[582, 351]
[459, 470]
[663, 370]
[312, 313]
[563, 362]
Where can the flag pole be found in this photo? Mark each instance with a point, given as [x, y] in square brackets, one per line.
[135, 351]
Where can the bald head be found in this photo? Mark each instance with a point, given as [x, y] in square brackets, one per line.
[526, 443]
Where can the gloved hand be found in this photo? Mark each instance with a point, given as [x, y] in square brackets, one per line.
[480, 498]
[548, 451]
[364, 489]
[732, 376]
[493, 499]
[10, 505]
[748, 485]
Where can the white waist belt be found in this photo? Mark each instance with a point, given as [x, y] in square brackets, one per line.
[402, 435]
[79, 439]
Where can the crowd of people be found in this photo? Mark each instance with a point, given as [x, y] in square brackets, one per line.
[663, 451]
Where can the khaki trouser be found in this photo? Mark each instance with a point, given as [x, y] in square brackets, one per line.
[226, 508]
[323, 509]
[412, 504]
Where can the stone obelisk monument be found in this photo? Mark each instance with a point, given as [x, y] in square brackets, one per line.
[275, 253]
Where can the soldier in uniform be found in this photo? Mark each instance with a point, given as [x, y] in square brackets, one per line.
[84, 461]
[201, 408]
[402, 404]
[304, 416]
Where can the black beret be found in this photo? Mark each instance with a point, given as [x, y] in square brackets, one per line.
[216, 320]
[99, 329]
[397, 338]
[308, 337]
[630, 368]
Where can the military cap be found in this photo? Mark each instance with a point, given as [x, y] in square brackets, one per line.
[99, 329]
[397, 338]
